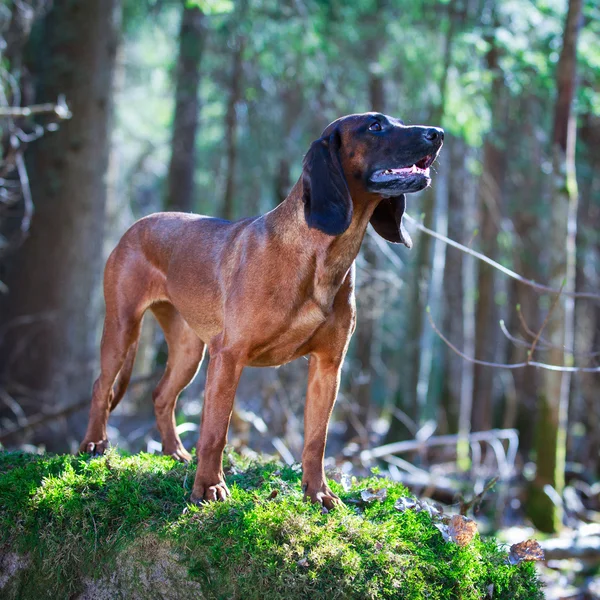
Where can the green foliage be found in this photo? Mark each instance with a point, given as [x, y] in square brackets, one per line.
[82, 519]
[213, 7]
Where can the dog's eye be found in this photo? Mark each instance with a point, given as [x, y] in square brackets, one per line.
[375, 126]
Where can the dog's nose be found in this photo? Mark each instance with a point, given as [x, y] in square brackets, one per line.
[434, 134]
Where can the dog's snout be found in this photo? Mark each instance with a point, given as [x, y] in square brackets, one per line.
[434, 134]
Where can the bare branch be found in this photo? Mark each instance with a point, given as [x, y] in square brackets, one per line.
[493, 263]
[58, 109]
[25, 188]
[544, 323]
[544, 344]
[539, 365]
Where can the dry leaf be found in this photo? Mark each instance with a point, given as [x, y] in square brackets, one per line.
[524, 551]
[371, 495]
[273, 494]
[435, 511]
[444, 531]
[405, 503]
[461, 530]
[340, 477]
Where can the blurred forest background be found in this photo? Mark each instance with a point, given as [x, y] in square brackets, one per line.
[114, 109]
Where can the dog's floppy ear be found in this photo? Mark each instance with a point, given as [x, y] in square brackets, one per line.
[327, 202]
[387, 220]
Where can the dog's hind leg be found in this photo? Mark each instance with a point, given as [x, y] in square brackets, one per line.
[186, 351]
[126, 302]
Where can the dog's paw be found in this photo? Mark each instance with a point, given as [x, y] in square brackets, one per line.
[209, 493]
[321, 494]
[94, 448]
[178, 452]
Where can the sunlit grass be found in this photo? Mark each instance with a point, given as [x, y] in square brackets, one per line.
[81, 519]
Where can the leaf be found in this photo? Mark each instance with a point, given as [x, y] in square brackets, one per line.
[461, 530]
[371, 495]
[303, 562]
[344, 479]
[405, 503]
[529, 550]
[435, 511]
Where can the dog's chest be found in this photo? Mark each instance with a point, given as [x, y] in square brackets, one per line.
[289, 339]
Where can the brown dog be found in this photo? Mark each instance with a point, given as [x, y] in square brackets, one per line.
[261, 291]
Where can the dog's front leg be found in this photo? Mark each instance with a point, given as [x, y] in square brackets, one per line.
[224, 370]
[323, 384]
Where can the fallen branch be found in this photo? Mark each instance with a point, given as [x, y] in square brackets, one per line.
[440, 440]
[587, 548]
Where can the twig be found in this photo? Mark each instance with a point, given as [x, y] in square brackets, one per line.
[25, 189]
[544, 323]
[41, 419]
[59, 109]
[493, 263]
[439, 440]
[524, 322]
[465, 506]
[545, 344]
[484, 363]
[512, 338]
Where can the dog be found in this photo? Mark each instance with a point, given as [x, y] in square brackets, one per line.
[261, 291]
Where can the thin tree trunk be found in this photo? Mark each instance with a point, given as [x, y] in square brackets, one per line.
[291, 99]
[458, 183]
[467, 377]
[55, 277]
[231, 119]
[526, 251]
[366, 322]
[490, 211]
[416, 384]
[554, 401]
[588, 315]
[180, 180]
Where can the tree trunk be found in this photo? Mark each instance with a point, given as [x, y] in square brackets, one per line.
[415, 395]
[180, 181]
[554, 400]
[235, 94]
[490, 215]
[292, 100]
[358, 426]
[453, 276]
[527, 248]
[54, 279]
[588, 314]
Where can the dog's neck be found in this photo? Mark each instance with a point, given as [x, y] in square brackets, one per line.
[330, 257]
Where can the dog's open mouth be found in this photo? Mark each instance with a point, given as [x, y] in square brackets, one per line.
[421, 167]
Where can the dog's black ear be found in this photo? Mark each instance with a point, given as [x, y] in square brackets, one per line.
[327, 202]
[387, 220]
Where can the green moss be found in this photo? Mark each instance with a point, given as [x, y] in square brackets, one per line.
[119, 524]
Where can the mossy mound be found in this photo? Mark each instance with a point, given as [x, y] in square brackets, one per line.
[119, 527]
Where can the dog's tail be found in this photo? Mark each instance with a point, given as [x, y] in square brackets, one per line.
[124, 376]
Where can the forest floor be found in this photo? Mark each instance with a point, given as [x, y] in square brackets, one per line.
[120, 526]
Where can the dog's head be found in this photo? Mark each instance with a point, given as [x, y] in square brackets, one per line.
[379, 159]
